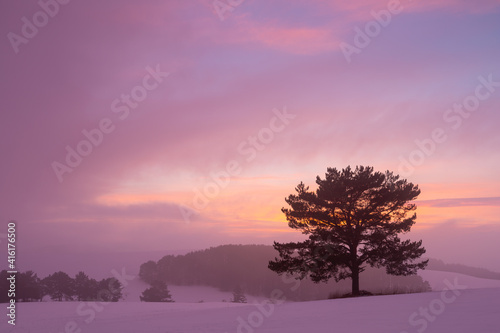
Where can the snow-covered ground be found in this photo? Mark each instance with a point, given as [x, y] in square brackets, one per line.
[472, 307]
[183, 294]
[470, 310]
[473, 310]
[437, 280]
[195, 294]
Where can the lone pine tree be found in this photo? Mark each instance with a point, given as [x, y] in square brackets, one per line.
[352, 219]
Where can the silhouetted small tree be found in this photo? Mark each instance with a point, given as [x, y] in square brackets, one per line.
[148, 272]
[85, 288]
[158, 292]
[238, 296]
[109, 290]
[59, 286]
[353, 219]
[28, 287]
[4, 287]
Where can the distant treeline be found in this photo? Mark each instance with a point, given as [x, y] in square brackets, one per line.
[28, 287]
[438, 265]
[228, 267]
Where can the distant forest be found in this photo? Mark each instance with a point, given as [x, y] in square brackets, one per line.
[229, 267]
[28, 287]
[438, 265]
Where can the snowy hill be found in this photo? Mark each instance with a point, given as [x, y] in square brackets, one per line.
[195, 294]
[436, 280]
[459, 311]
[183, 294]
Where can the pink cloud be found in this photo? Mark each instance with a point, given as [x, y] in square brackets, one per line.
[294, 40]
[461, 202]
[361, 9]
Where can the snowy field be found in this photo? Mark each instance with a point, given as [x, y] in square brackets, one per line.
[184, 294]
[475, 309]
[437, 278]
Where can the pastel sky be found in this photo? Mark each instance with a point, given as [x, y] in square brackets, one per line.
[264, 90]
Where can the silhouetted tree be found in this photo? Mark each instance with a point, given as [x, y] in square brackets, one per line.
[238, 296]
[109, 290]
[148, 272]
[59, 286]
[4, 287]
[85, 288]
[158, 292]
[353, 219]
[28, 287]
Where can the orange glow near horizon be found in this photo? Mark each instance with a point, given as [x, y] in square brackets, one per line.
[254, 212]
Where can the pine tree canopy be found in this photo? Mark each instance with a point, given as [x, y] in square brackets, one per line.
[352, 219]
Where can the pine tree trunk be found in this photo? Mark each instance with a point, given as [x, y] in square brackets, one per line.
[355, 281]
[354, 270]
